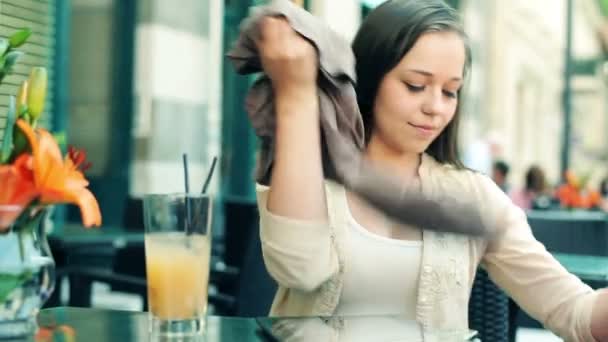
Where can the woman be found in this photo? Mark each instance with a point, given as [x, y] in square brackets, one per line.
[331, 254]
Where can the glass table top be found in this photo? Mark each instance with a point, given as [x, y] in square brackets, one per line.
[96, 325]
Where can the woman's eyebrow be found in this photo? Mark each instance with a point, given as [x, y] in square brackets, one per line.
[430, 74]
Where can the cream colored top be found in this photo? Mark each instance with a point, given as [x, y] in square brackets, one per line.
[308, 260]
[382, 274]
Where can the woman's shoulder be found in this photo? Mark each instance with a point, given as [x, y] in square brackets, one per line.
[450, 174]
[451, 181]
[335, 196]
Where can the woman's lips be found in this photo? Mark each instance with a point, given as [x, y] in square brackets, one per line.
[423, 130]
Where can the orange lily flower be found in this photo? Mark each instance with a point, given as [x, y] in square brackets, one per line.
[18, 189]
[59, 180]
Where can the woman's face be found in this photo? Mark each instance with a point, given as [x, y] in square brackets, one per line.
[418, 98]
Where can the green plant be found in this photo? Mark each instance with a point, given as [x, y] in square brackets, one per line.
[8, 58]
[8, 53]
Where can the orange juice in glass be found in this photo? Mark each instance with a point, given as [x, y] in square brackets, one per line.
[178, 248]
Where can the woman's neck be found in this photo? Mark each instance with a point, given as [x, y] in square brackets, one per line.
[404, 164]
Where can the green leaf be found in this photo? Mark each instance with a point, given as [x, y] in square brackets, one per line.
[22, 111]
[9, 282]
[61, 139]
[26, 116]
[11, 59]
[20, 37]
[20, 143]
[3, 46]
[7, 142]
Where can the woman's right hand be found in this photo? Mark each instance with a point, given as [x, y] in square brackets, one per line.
[288, 59]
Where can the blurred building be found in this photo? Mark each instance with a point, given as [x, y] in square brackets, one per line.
[144, 89]
[590, 86]
[516, 89]
[177, 93]
[343, 16]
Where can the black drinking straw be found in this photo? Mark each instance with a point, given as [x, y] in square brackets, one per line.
[197, 217]
[209, 175]
[187, 186]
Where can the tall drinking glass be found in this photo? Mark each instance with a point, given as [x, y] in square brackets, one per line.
[178, 248]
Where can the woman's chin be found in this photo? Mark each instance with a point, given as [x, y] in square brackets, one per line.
[412, 150]
[416, 147]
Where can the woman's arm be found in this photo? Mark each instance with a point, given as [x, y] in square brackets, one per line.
[296, 186]
[599, 317]
[294, 224]
[522, 266]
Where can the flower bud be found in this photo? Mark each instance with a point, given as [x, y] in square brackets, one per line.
[37, 92]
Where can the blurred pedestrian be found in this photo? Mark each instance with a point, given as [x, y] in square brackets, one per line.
[500, 173]
[604, 194]
[535, 186]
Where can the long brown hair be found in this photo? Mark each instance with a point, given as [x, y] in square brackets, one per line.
[385, 36]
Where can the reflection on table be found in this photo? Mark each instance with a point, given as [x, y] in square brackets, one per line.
[94, 325]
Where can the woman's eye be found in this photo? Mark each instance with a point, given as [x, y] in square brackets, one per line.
[450, 94]
[414, 88]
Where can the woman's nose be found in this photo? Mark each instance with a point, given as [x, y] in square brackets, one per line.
[433, 103]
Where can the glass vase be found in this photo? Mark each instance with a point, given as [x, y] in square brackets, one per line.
[27, 274]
